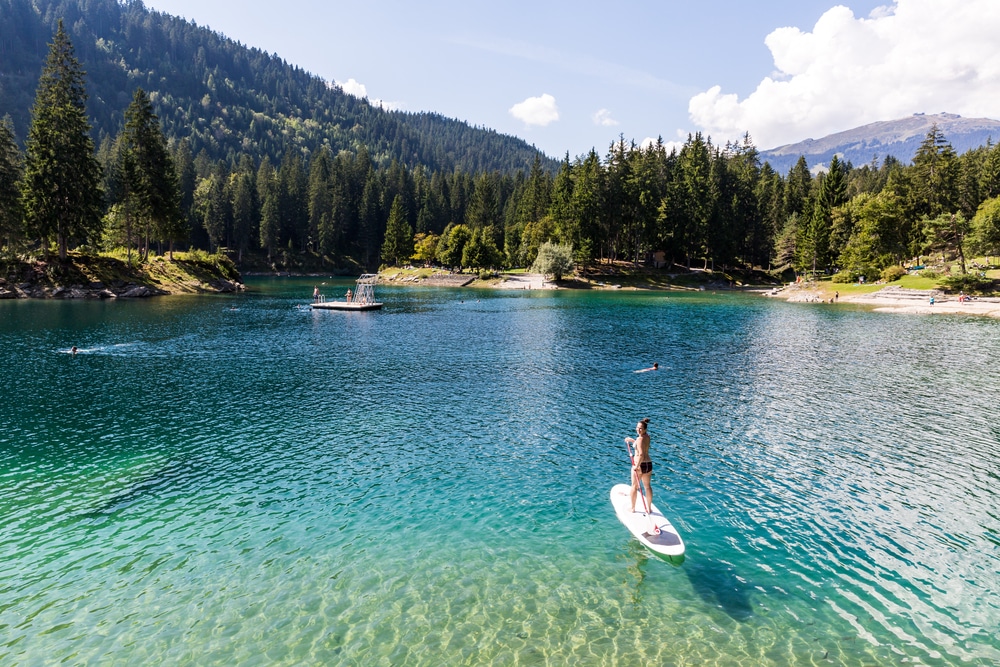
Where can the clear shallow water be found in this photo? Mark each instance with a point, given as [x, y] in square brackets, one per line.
[428, 484]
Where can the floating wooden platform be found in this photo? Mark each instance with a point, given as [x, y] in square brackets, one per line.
[344, 305]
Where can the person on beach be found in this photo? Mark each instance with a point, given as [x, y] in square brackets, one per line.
[642, 465]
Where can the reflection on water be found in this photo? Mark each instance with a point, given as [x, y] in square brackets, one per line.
[427, 484]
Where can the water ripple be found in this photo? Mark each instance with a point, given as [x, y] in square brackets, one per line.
[428, 484]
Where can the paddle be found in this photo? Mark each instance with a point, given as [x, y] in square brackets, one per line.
[638, 482]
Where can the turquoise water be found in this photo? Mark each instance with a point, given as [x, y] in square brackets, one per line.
[428, 484]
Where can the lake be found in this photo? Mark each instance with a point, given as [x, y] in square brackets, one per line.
[221, 480]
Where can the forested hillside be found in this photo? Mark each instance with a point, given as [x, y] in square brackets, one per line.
[223, 97]
[308, 201]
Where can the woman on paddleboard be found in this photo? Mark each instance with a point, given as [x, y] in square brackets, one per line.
[642, 465]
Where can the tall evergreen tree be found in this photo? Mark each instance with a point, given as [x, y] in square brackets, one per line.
[245, 206]
[695, 168]
[989, 176]
[10, 175]
[484, 208]
[214, 207]
[798, 188]
[294, 211]
[934, 177]
[61, 186]
[268, 189]
[561, 206]
[369, 219]
[819, 232]
[588, 205]
[321, 201]
[152, 178]
[398, 245]
[187, 180]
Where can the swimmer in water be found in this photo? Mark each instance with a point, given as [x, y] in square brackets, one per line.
[654, 367]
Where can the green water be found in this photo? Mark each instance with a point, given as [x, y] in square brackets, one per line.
[240, 480]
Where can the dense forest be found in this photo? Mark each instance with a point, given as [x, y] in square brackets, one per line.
[226, 99]
[347, 206]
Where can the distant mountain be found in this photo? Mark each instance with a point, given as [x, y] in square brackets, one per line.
[226, 98]
[899, 138]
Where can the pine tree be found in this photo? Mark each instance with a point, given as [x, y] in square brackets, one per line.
[934, 177]
[588, 204]
[699, 197]
[320, 200]
[186, 182]
[398, 246]
[798, 188]
[150, 174]
[561, 206]
[10, 175]
[369, 215]
[270, 217]
[245, 206]
[484, 208]
[61, 186]
[832, 193]
[213, 205]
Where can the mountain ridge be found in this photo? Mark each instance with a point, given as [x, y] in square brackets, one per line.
[899, 138]
[224, 97]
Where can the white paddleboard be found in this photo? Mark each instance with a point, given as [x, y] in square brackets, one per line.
[667, 544]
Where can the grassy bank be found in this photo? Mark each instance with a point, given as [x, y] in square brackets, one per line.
[187, 273]
[618, 275]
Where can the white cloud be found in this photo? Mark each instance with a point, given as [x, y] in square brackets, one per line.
[352, 87]
[358, 89]
[667, 145]
[603, 117]
[536, 110]
[908, 57]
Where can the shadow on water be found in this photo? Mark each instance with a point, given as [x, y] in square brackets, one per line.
[717, 583]
[166, 478]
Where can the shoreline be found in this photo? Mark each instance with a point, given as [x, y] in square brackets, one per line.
[96, 277]
[893, 299]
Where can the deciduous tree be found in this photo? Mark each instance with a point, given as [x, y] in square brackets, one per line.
[554, 259]
[986, 227]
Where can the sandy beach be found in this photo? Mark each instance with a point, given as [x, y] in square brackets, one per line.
[525, 281]
[893, 299]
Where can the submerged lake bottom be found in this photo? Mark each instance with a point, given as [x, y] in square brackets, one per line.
[244, 480]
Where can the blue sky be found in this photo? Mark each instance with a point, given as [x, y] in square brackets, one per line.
[571, 76]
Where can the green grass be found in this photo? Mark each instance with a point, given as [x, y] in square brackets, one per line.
[189, 272]
[916, 282]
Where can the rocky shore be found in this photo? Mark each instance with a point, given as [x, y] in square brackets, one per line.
[98, 290]
[102, 278]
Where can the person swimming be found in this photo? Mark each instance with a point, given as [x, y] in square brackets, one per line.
[654, 367]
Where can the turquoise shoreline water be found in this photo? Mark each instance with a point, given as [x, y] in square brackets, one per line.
[428, 484]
